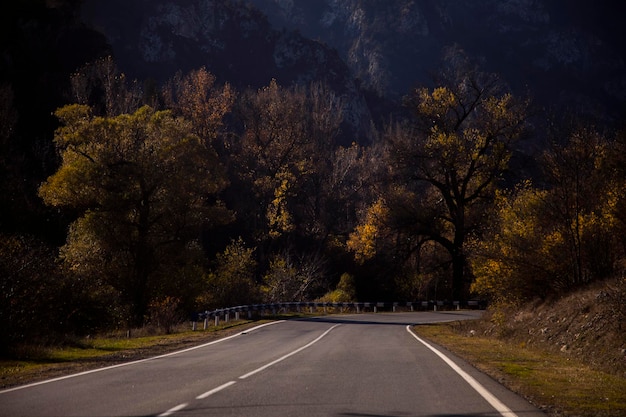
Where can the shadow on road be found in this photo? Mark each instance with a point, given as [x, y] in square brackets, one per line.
[395, 319]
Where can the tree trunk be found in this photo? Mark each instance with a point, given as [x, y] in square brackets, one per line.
[458, 255]
[458, 275]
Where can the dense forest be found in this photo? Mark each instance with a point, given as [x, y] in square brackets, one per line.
[122, 198]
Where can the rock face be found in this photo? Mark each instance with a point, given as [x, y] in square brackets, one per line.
[564, 53]
[157, 38]
[154, 39]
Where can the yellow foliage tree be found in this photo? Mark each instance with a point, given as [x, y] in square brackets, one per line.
[363, 240]
[546, 241]
[516, 260]
[141, 183]
[196, 97]
[445, 166]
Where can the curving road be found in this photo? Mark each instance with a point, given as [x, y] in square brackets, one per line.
[368, 365]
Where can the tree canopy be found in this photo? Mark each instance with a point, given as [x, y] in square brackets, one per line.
[143, 186]
[442, 168]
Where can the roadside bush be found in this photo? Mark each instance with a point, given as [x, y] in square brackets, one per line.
[344, 293]
[165, 314]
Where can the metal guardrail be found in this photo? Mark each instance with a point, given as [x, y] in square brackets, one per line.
[276, 308]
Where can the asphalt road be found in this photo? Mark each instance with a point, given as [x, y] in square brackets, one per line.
[351, 365]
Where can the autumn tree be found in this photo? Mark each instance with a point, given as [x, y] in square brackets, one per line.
[581, 197]
[443, 167]
[196, 97]
[272, 157]
[142, 184]
[323, 115]
[232, 279]
[282, 167]
[545, 241]
[294, 189]
[519, 256]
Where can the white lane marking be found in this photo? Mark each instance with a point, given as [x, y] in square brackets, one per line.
[282, 358]
[119, 365]
[173, 410]
[491, 399]
[215, 390]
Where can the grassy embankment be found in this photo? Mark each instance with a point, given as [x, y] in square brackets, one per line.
[560, 385]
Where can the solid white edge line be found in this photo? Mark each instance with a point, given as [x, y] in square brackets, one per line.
[215, 390]
[282, 358]
[173, 410]
[488, 396]
[119, 365]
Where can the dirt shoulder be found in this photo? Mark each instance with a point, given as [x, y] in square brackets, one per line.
[588, 325]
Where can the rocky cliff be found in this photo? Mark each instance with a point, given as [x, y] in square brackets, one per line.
[234, 41]
[567, 53]
[564, 53]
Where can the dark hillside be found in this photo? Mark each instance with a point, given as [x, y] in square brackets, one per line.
[41, 44]
[233, 40]
[564, 53]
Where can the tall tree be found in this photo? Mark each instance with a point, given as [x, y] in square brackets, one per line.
[294, 187]
[445, 164]
[196, 97]
[143, 184]
[273, 155]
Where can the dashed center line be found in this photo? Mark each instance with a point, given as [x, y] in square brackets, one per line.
[249, 374]
[282, 358]
[215, 390]
[173, 410]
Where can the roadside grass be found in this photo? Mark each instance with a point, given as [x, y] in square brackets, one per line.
[36, 362]
[559, 385]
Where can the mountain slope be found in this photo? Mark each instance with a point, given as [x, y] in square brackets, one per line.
[154, 39]
[567, 53]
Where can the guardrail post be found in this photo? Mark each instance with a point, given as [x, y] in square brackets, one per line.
[217, 320]
[193, 325]
[206, 322]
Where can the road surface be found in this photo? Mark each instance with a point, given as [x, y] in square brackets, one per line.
[350, 365]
